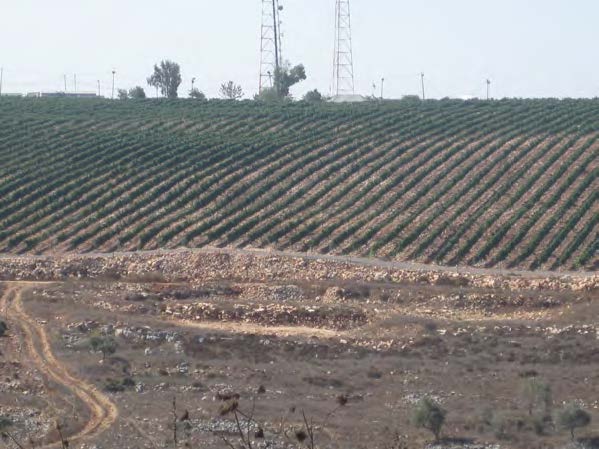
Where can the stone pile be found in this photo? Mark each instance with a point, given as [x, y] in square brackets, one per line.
[260, 266]
[137, 334]
[271, 314]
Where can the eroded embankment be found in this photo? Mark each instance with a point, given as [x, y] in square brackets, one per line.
[263, 266]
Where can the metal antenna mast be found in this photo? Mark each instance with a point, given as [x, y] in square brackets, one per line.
[270, 42]
[343, 61]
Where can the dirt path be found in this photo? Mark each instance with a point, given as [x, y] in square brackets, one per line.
[257, 329]
[103, 412]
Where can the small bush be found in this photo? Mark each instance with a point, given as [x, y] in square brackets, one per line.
[116, 386]
[128, 382]
[113, 386]
[430, 416]
[573, 417]
[105, 345]
[538, 396]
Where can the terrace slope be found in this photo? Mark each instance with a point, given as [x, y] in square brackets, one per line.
[511, 183]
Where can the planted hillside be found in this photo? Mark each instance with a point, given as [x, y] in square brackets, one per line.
[512, 183]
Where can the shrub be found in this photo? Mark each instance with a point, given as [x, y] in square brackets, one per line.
[537, 393]
[114, 386]
[313, 97]
[105, 345]
[430, 416]
[573, 417]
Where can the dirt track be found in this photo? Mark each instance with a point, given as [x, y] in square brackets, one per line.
[103, 411]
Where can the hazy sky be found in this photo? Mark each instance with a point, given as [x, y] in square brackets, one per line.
[529, 48]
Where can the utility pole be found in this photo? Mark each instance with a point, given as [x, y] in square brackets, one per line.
[382, 87]
[65, 84]
[422, 80]
[75, 82]
[193, 81]
[113, 75]
[488, 89]
[99, 89]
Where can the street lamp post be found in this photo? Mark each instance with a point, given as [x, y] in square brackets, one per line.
[113, 75]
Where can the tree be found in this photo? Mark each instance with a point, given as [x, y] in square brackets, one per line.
[286, 77]
[430, 416]
[313, 97]
[166, 77]
[122, 94]
[197, 94]
[137, 93]
[231, 91]
[3, 328]
[105, 345]
[573, 417]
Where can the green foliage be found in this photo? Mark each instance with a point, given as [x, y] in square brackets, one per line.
[411, 98]
[313, 97]
[286, 77]
[137, 93]
[270, 95]
[117, 386]
[537, 394]
[196, 94]
[430, 416]
[573, 417]
[122, 94]
[105, 345]
[166, 77]
[463, 183]
[231, 91]
[5, 423]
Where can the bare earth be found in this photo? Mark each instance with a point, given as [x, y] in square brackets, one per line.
[288, 333]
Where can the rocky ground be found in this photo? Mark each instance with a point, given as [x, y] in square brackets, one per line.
[353, 347]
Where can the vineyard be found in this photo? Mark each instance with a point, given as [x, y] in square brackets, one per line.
[510, 184]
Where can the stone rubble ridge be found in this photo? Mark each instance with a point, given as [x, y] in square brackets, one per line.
[261, 266]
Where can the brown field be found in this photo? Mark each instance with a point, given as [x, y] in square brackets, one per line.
[285, 341]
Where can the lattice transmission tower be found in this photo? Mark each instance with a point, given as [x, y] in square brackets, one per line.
[270, 42]
[343, 61]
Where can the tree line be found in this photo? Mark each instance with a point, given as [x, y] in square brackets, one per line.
[166, 78]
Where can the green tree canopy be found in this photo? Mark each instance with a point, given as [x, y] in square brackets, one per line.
[137, 93]
[313, 97]
[573, 417]
[197, 94]
[285, 77]
[166, 77]
[231, 91]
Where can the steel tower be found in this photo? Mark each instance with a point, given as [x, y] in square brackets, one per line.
[343, 61]
[270, 42]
